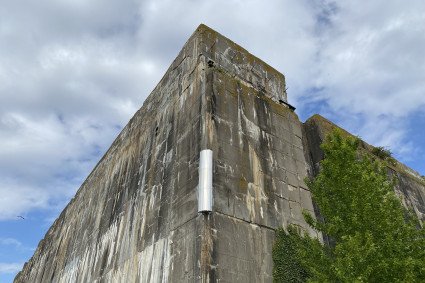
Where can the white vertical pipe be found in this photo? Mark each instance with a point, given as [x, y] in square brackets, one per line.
[205, 181]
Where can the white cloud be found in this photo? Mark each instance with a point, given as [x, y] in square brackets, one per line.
[10, 241]
[371, 70]
[43, 160]
[16, 199]
[73, 72]
[375, 67]
[16, 245]
[7, 268]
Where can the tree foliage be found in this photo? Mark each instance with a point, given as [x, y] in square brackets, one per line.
[382, 152]
[287, 266]
[373, 238]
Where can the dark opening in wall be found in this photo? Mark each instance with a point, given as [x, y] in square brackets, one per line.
[287, 104]
[156, 131]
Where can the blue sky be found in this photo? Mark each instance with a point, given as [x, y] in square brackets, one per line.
[73, 72]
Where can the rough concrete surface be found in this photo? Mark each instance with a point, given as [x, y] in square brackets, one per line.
[135, 217]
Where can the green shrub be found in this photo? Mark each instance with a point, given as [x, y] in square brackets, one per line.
[287, 267]
[382, 152]
[372, 238]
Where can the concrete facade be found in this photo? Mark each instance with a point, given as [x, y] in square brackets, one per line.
[135, 217]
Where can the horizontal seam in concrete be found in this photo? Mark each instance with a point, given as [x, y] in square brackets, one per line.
[249, 222]
[187, 221]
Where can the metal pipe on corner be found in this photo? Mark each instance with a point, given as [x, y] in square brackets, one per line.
[205, 193]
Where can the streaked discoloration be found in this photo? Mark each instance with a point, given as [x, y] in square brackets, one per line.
[135, 217]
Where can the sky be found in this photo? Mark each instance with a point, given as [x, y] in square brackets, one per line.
[73, 72]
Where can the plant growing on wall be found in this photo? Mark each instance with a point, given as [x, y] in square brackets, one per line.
[382, 152]
[372, 237]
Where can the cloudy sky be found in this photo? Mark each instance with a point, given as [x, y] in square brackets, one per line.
[73, 72]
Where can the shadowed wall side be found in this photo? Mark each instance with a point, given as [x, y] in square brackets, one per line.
[134, 218]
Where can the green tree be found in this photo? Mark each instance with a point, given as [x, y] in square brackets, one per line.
[372, 237]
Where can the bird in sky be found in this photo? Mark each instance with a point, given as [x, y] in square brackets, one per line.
[19, 216]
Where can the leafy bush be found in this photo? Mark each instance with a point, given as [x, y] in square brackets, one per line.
[382, 152]
[372, 240]
[287, 267]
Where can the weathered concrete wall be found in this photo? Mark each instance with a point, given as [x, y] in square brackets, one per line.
[135, 217]
[410, 185]
[258, 180]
